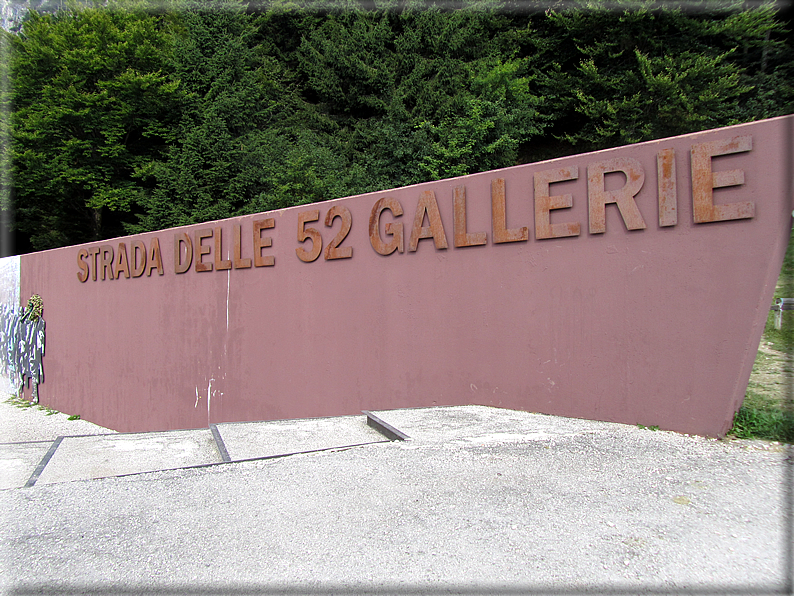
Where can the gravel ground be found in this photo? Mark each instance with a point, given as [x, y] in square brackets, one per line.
[566, 507]
[37, 423]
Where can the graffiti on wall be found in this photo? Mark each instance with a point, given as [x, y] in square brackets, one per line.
[22, 337]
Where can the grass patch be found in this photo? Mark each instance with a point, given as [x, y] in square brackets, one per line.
[779, 339]
[19, 402]
[763, 418]
[767, 411]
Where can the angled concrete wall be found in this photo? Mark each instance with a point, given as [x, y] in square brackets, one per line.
[627, 285]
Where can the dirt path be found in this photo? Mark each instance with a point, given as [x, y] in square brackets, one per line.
[772, 374]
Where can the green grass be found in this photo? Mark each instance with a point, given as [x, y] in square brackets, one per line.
[763, 418]
[760, 416]
[778, 338]
[20, 402]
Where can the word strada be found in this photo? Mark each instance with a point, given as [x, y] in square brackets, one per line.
[103, 262]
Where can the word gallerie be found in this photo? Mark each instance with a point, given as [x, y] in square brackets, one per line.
[104, 262]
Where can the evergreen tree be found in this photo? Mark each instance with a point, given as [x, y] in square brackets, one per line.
[205, 173]
[614, 77]
[245, 142]
[128, 121]
[426, 94]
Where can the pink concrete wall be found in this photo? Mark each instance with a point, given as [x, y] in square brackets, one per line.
[658, 326]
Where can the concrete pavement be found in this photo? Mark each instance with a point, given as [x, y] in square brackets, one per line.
[64, 450]
[477, 500]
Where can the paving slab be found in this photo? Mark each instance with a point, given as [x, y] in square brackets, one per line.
[249, 440]
[485, 424]
[18, 461]
[100, 456]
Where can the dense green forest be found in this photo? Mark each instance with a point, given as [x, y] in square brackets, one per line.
[126, 116]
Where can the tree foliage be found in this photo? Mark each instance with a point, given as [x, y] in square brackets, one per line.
[92, 107]
[128, 120]
[226, 99]
[640, 74]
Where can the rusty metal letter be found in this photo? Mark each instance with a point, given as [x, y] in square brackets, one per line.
[668, 198]
[544, 203]
[181, 238]
[598, 197]
[138, 257]
[82, 275]
[462, 237]
[156, 259]
[427, 205]
[704, 181]
[202, 250]
[332, 251]
[106, 252]
[395, 230]
[220, 264]
[260, 243]
[499, 216]
[92, 255]
[239, 262]
[122, 264]
[304, 233]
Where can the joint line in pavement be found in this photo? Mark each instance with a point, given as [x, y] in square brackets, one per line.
[43, 463]
[384, 428]
[219, 443]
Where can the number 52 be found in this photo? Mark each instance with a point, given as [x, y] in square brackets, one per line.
[333, 250]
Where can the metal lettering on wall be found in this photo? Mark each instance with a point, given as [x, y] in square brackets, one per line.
[628, 285]
[203, 250]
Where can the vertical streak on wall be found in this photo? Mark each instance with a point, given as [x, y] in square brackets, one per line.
[223, 364]
[209, 398]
